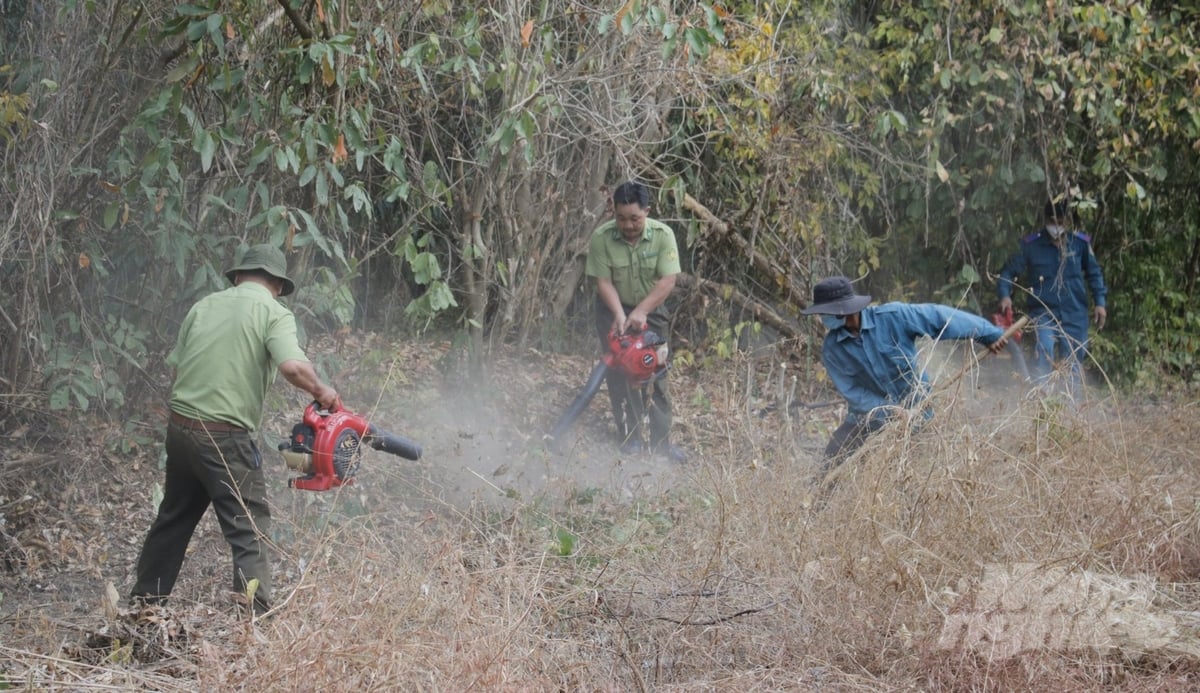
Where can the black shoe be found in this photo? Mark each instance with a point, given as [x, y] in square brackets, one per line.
[631, 447]
[672, 452]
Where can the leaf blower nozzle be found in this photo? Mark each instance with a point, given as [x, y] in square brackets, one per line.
[393, 444]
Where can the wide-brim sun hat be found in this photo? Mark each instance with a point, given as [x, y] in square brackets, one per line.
[267, 258]
[835, 296]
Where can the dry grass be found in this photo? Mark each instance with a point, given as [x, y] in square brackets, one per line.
[1007, 544]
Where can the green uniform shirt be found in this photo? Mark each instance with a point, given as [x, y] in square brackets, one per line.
[633, 269]
[227, 352]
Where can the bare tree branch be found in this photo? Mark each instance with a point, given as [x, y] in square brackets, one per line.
[757, 309]
[761, 262]
[302, 27]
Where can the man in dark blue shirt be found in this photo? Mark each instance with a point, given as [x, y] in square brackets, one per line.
[1058, 268]
[870, 354]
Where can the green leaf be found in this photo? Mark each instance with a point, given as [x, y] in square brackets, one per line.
[183, 69]
[566, 542]
[335, 174]
[227, 80]
[60, 399]
[192, 10]
[196, 31]
[213, 24]
[440, 296]
[322, 189]
[208, 148]
[110, 215]
[697, 41]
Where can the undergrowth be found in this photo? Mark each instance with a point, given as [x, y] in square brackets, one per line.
[1008, 543]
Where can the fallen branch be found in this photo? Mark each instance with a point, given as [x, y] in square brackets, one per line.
[719, 619]
[761, 312]
[760, 261]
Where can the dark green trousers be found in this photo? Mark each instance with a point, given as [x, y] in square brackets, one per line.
[222, 469]
[631, 404]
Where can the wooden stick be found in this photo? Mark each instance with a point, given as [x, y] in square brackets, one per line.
[1008, 334]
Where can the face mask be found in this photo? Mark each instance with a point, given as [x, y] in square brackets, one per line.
[1055, 230]
[832, 322]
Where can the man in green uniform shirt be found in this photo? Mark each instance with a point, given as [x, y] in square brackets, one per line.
[634, 260]
[228, 349]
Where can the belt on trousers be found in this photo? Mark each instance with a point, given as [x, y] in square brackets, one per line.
[215, 426]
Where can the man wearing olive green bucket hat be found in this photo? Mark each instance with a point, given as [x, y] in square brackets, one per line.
[229, 347]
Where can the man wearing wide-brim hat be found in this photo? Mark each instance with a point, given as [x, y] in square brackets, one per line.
[228, 350]
[870, 353]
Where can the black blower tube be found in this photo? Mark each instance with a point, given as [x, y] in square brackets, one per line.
[394, 444]
[581, 401]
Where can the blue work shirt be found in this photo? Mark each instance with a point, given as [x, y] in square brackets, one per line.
[1059, 278]
[879, 367]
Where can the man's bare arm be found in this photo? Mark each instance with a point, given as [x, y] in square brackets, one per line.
[662, 289]
[304, 376]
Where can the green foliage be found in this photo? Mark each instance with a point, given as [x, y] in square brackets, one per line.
[564, 542]
[456, 149]
[131, 439]
[92, 375]
[327, 298]
[252, 586]
[1157, 318]
[427, 271]
[724, 337]
[14, 113]
[960, 291]
[697, 37]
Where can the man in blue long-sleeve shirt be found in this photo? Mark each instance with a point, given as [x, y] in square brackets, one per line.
[1059, 267]
[870, 354]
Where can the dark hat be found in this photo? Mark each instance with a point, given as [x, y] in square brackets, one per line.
[1057, 211]
[835, 296]
[267, 258]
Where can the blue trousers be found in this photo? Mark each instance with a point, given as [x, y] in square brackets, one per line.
[1059, 342]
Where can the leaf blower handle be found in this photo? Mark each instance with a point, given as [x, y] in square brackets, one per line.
[393, 444]
[337, 406]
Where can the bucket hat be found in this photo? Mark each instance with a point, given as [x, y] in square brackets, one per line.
[835, 296]
[267, 258]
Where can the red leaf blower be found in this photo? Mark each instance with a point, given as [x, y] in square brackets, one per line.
[640, 356]
[1004, 320]
[326, 447]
